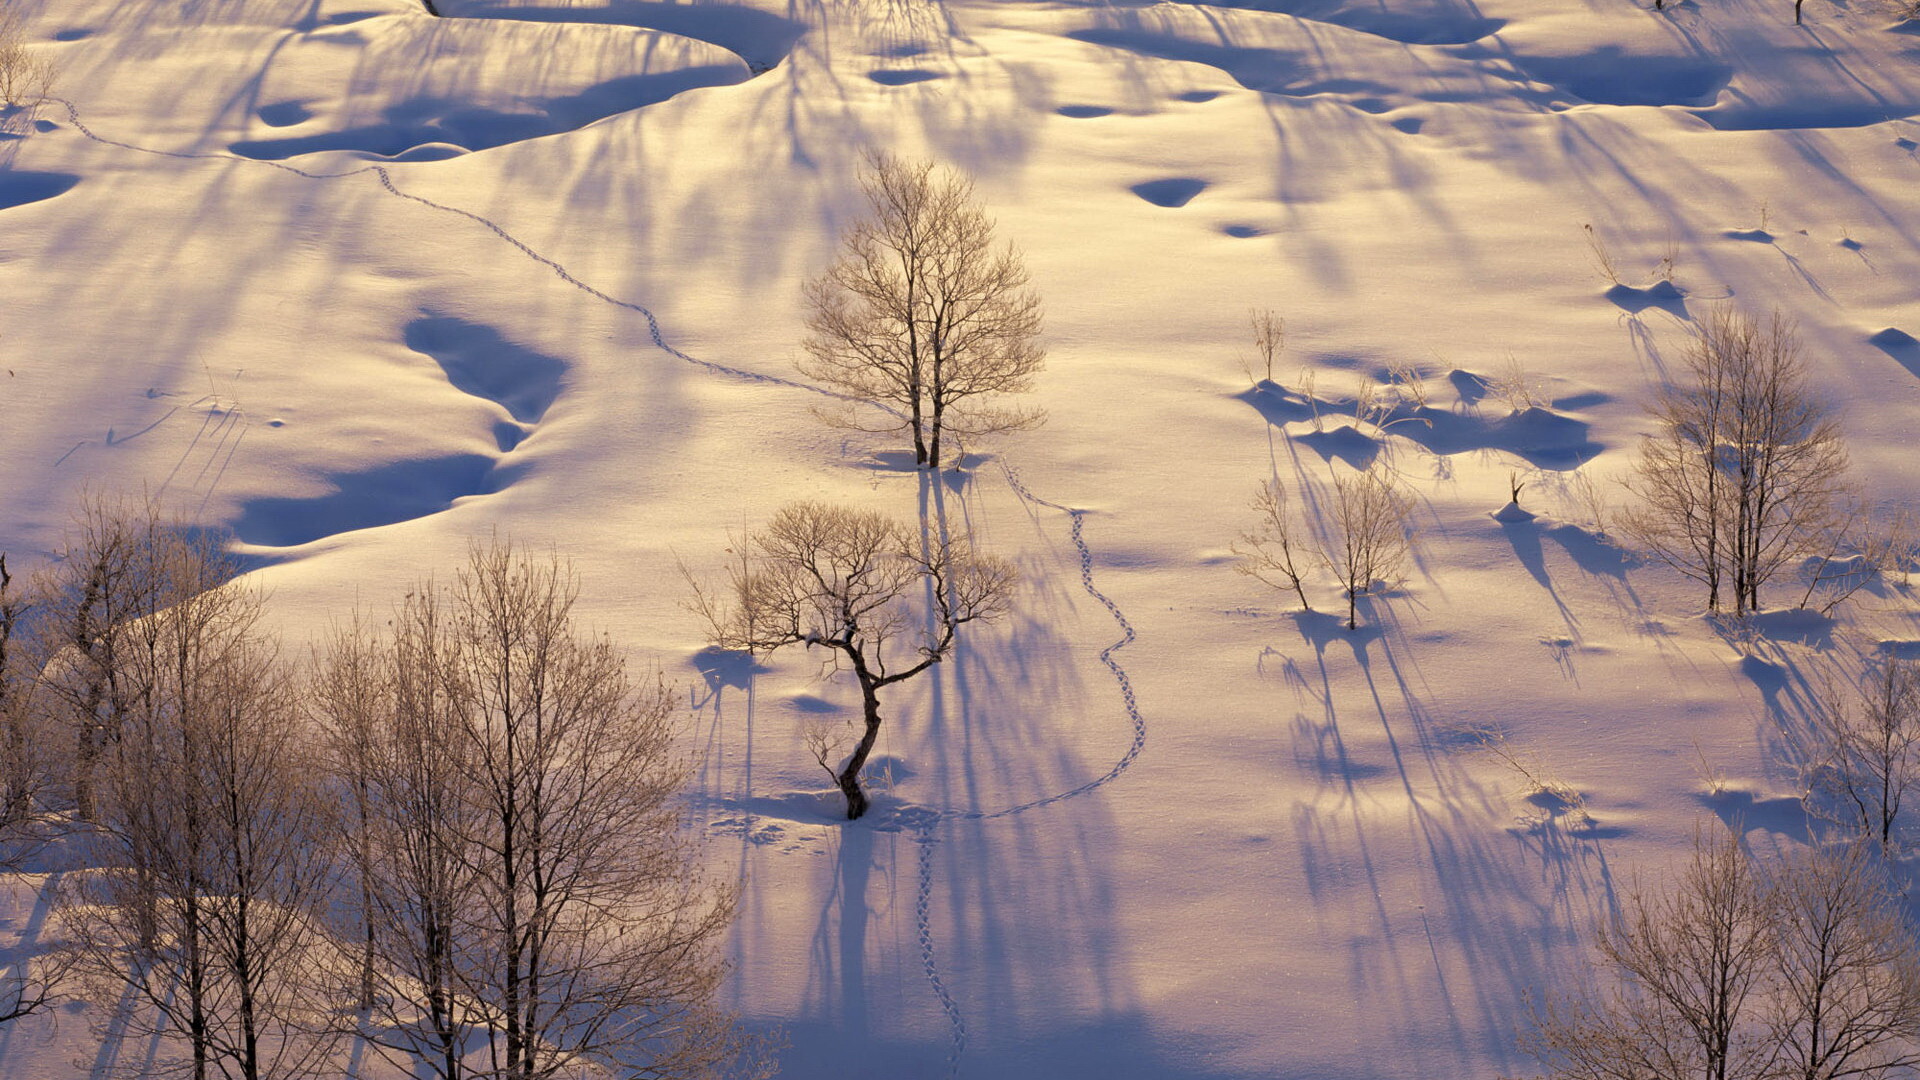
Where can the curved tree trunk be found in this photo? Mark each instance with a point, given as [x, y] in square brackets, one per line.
[850, 773]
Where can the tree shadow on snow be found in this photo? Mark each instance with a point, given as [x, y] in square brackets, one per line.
[1388, 776]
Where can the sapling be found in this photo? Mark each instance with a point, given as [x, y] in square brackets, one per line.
[844, 580]
[1368, 538]
[1271, 552]
[1602, 258]
[1409, 382]
[25, 77]
[1269, 337]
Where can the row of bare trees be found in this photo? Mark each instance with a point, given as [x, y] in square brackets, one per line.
[452, 835]
[1799, 969]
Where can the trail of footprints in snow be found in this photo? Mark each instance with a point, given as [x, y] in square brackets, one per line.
[926, 831]
[927, 828]
[385, 177]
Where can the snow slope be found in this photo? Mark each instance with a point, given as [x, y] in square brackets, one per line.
[363, 285]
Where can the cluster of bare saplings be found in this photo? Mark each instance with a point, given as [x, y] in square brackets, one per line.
[1742, 484]
[1798, 968]
[448, 834]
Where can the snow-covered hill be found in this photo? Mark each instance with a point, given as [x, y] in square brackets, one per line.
[362, 284]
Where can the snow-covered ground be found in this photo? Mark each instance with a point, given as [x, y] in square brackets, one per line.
[362, 284]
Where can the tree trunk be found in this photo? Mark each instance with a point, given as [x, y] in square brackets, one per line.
[850, 775]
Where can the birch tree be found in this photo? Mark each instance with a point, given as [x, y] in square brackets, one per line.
[529, 889]
[923, 315]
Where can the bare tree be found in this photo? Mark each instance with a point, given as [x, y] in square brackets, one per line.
[23, 773]
[840, 579]
[1269, 339]
[209, 837]
[1682, 972]
[1272, 551]
[122, 565]
[1743, 476]
[1868, 754]
[1846, 971]
[25, 78]
[526, 876]
[396, 759]
[1368, 540]
[35, 982]
[922, 315]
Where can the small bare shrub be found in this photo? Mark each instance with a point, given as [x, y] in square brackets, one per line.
[1308, 393]
[1271, 552]
[1408, 382]
[1542, 782]
[1368, 539]
[26, 78]
[1602, 258]
[1269, 338]
[1515, 386]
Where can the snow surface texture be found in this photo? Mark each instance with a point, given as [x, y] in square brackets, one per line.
[364, 285]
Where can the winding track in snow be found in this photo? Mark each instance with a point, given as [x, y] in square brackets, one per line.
[926, 831]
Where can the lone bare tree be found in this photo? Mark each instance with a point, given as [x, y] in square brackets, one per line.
[840, 579]
[1368, 541]
[923, 315]
[525, 875]
[1742, 478]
